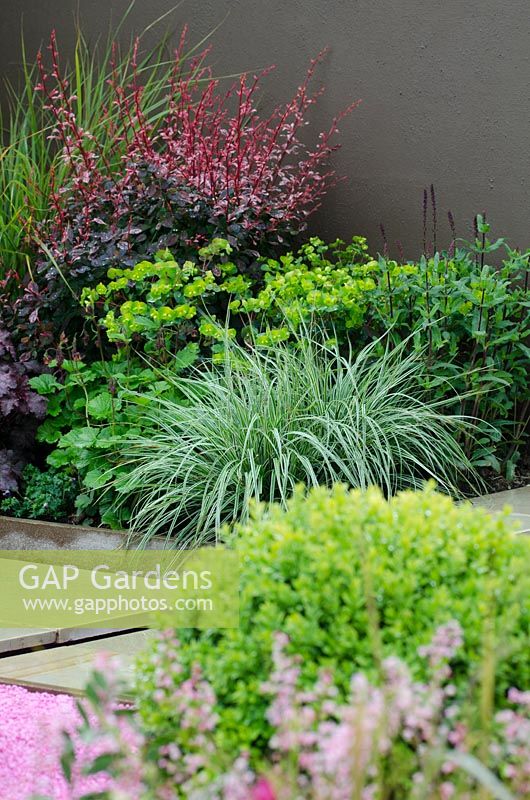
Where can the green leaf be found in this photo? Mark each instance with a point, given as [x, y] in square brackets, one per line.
[489, 460]
[159, 387]
[72, 367]
[116, 337]
[185, 358]
[80, 438]
[138, 399]
[511, 465]
[82, 712]
[55, 405]
[524, 349]
[100, 406]
[67, 757]
[101, 763]
[49, 432]
[94, 479]
[59, 458]
[45, 384]
[79, 404]
[92, 695]
[114, 519]
[110, 436]
[83, 501]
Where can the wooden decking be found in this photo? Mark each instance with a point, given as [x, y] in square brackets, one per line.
[66, 668]
[518, 501]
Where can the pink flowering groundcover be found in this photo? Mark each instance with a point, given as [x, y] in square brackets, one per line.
[31, 742]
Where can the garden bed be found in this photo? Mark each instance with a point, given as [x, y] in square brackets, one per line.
[172, 351]
[500, 483]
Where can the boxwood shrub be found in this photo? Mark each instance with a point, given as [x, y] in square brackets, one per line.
[352, 577]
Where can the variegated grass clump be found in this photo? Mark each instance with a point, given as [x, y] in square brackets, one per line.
[267, 419]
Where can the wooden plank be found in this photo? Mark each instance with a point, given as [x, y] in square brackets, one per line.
[67, 668]
[12, 639]
[91, 627]
[69, 635]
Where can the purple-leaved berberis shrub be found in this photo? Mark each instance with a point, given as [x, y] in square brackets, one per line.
[214, 165]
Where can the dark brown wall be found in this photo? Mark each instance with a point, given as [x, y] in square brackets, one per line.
[444, 84]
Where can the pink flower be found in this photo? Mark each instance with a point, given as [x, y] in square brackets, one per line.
[263, 790]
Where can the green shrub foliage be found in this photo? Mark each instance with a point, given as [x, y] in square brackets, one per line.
[472, 321]
[170, 300]
[351, 577]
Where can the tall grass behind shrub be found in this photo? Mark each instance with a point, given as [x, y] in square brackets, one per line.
[95, 87]
[271, 418]
[25, 170]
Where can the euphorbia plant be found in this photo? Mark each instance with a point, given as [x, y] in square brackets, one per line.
[164, 301]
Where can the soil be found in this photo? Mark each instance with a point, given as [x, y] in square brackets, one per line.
[499, 483]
